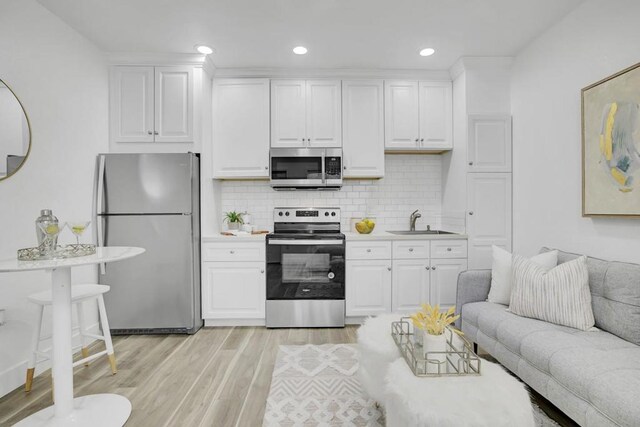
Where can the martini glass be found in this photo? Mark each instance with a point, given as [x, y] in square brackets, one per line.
[51, 232]
[77, 228]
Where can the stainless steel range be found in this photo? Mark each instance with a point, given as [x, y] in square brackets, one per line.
[305, 269]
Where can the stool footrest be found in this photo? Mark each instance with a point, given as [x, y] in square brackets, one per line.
[94, 336]
[90, 358]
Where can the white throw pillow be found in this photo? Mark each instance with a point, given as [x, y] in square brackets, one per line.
[501, 272]
[560, 295]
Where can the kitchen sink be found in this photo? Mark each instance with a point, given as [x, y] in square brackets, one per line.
[419, 232]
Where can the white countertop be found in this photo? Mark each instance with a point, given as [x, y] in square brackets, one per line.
[376, 235]
[240, 238]
[383, 235]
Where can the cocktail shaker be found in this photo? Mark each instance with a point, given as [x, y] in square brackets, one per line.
[45, 219]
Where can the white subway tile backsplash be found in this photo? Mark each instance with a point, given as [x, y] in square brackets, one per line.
[411, 182]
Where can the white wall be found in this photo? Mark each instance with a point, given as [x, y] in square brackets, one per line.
[594, 41]
[61, 80]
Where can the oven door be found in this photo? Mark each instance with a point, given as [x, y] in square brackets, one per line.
[297, 167]
[305, 269]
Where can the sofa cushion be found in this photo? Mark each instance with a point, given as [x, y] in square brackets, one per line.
[512, 333]
[491, 313]
[495, 321]
[616, 395]
[539, 348]
[594, 375]
[615, 295]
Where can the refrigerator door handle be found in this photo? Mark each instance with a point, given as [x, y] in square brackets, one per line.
[99, 232]
[99, 186]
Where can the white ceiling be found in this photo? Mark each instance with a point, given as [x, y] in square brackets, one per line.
[338, 33]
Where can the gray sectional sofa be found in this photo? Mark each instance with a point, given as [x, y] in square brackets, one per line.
[594, 376]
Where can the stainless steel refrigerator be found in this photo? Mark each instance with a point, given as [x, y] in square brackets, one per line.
[150, 201]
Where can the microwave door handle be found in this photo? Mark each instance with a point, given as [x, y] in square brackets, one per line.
[324, 177]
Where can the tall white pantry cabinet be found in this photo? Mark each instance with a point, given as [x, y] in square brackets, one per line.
[489, 187]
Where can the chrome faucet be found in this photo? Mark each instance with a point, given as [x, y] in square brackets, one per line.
[412, 220]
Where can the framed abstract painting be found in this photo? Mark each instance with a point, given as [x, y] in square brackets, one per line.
[611, 146]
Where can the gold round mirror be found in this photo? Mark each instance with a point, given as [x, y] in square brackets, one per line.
[15, 133]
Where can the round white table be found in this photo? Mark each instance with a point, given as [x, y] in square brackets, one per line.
[94, 410]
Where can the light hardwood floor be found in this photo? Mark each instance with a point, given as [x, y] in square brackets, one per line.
[217, 377]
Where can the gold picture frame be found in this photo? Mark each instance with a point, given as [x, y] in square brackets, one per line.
[611, 146]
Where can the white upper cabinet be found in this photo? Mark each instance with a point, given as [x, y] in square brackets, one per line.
[418, 116]
[288, 118]
[489, 216]
[324, 117]
[489, 143]
[363, 128]
[152, 104]
[402, 128]
[241, 128]
[436, 115]
[132, 105]
[306, 113]
[174, 104]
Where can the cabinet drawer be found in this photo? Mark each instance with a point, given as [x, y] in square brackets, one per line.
[368, 250]
[233, 251]
[411, 249]
[448, 249]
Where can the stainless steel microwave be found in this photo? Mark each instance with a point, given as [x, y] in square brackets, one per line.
[306, 168]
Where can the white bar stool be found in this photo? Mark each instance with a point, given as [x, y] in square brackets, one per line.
[79, 294]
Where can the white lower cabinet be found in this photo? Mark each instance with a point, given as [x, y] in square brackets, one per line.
[233, 288]
[410, 284]
[444, 280]
[368, 287]
[399, 276]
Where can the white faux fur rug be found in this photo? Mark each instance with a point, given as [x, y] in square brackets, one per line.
[315, 385]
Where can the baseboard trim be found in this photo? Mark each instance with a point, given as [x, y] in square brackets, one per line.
[208, 323]
[14, 376]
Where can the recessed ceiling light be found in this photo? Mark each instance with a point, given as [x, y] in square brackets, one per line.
[203, 49]
[427, 52]
[299, 50]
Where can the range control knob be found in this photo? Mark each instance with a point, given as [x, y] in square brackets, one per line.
[333, 214]
[280, 213]
[326, 214]
[287, 213]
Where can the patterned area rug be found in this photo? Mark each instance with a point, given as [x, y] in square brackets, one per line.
[316, 385]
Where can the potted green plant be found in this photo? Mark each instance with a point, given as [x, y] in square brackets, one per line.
[233, 220]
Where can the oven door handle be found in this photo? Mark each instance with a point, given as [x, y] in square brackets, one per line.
[309, 242]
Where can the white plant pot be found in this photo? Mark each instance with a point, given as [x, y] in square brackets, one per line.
[233, 225]
[434, 343]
